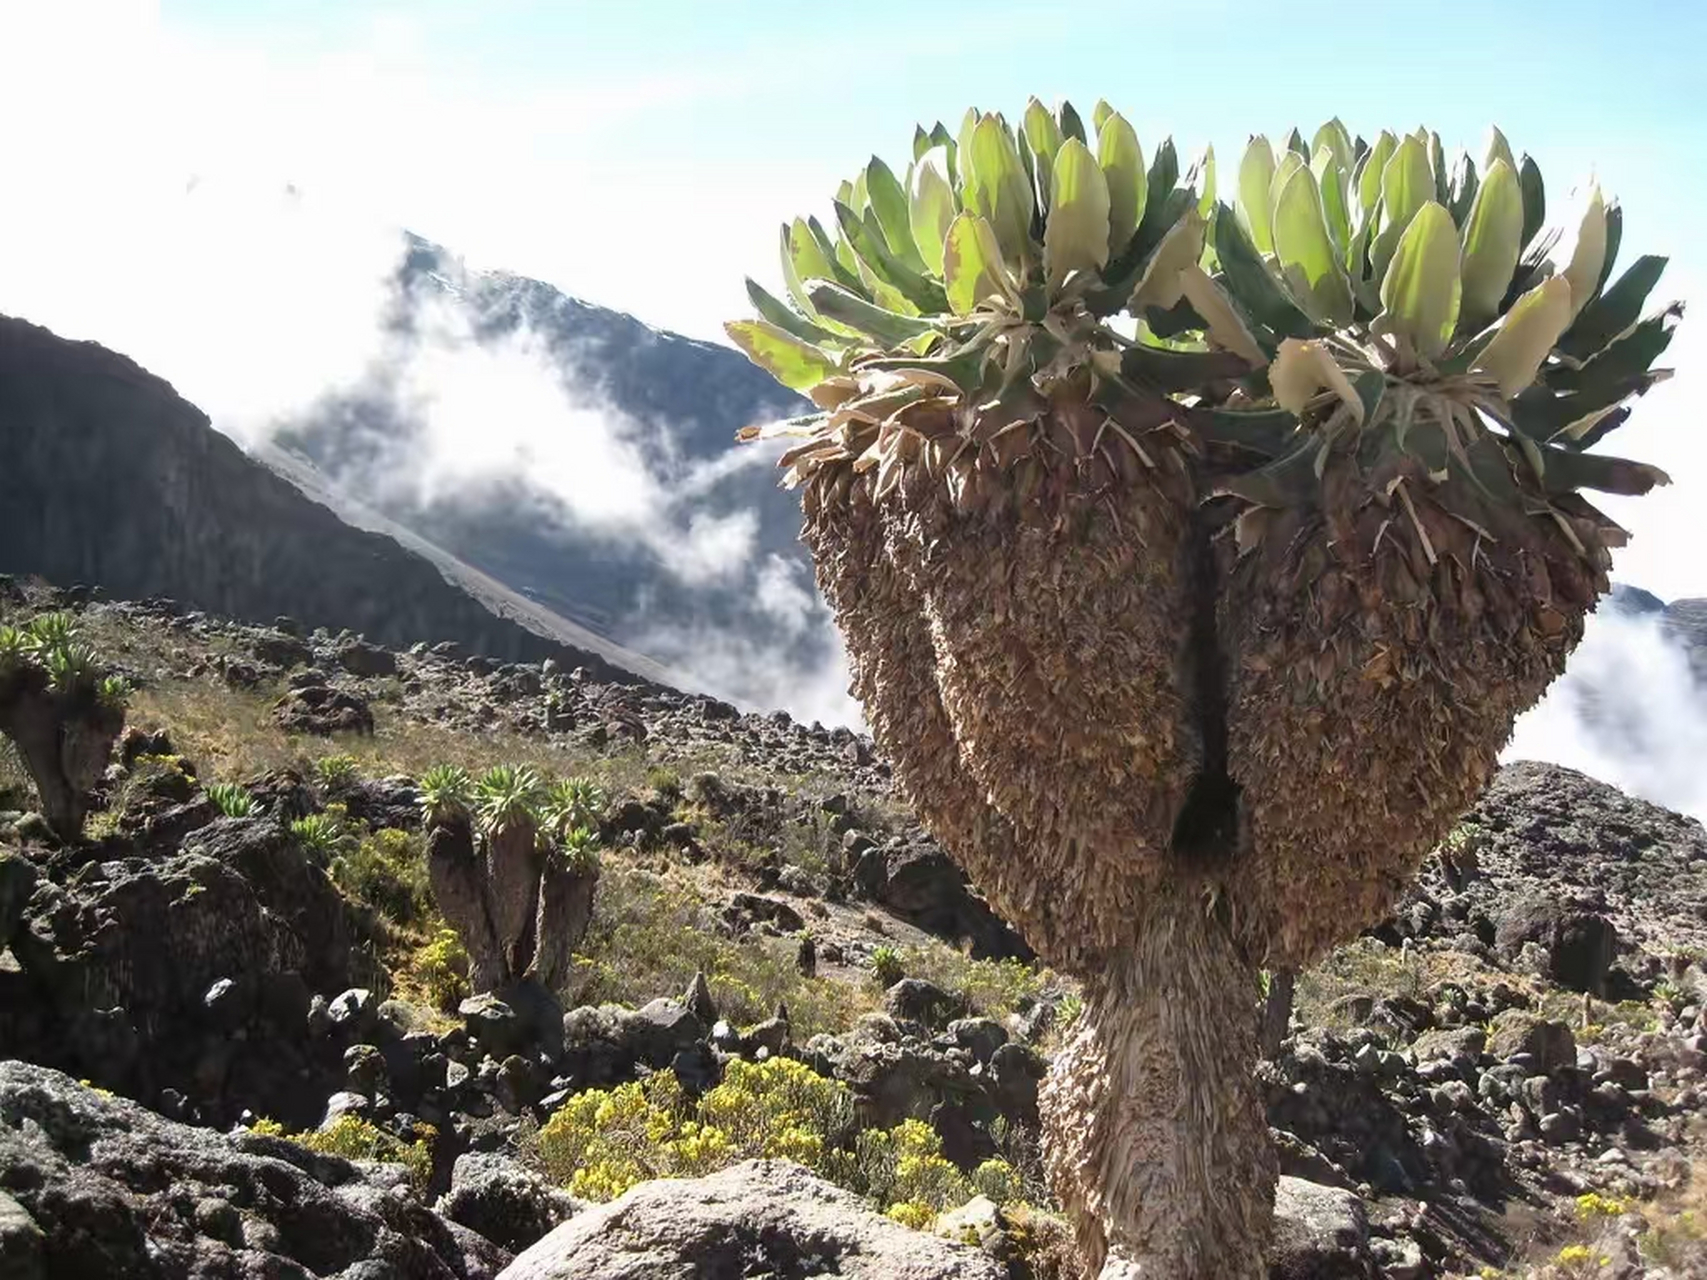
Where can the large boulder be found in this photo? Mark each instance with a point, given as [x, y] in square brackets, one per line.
[1320, 1233]
[153, 936]
[1575, 942]
[509, 1205]
[759, 1218]
[115, 1190]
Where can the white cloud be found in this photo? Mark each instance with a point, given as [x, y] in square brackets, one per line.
[1629, 711]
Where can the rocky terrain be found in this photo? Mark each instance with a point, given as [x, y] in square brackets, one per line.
[234, 1045]
[112, 478]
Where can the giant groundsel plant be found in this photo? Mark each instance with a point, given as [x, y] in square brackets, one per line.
[1194, 556]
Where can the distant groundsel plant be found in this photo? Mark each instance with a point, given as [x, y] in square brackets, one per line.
[62, 710]
[1195, 553]
[513, 865]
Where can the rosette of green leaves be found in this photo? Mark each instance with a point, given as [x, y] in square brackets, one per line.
[982, 274]
[1391, 289]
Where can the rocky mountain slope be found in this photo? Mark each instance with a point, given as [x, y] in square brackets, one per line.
[683, 399]
[1504, 1079]
[113, 480]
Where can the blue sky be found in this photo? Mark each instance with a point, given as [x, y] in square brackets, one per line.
[642, 154]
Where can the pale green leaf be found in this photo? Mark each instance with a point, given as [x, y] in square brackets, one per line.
[1420, 290]
[1043, 135]
[797, 365]
[1289, 163]
[1407, 183]
[1100, 113]
[1332, 181]
[931, 208]
[1528, 332]
[1122, 163]
[999, 191]
[1493, 239]
[1498, 149]
[1206, 172]
[1076, 236]
[971, 263]
[1222, 322]
[889, 203]
[1256, 174]
[802, 259]
[1335, 137]
[963, 154]
[1301, 370]
[1374, 166]
[1161, 285]
[1589, 255]
[1305, 252]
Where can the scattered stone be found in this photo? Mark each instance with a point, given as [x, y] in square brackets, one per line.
[760, 1217]
[1320, 1233]
[504, 1202]
[1551, 1044]
[322, 709]
[360, 658]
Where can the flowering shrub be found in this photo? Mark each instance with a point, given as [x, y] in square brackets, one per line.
[604, 1141]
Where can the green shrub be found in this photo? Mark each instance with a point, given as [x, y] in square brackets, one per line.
[886, 966]
[388, 871]
[231, 800]
[318, 833]
[652, 933]
[446, 794]
[442, 966]
[998, 1180]
[604, 1141]
[335, 772]
[666, 782]
[354, 1138]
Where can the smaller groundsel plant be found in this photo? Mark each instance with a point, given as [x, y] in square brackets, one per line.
[318, 832]
[446, 795]
[231, 800]
[507, 797]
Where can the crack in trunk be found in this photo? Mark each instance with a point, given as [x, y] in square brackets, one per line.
[1207, 827]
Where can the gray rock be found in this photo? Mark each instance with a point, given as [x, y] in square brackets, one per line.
[346, 1102]
[324, 710]
[1551, 1044]
[981, 1037]
[116, 1190]
[152, 937]
[354, 1012]
[360, 658]
[1575, 943]
[921, 1001]
[504, 1202]
[17, 883]
[658, 1031]
[494, 1024]
[22, 1245]
[1320, 1233]
[758, 1218]
[280, 648]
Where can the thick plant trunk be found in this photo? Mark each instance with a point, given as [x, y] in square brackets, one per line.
[65, 747]
[1277, 1010]
[565, 911]
[458, 882]
[1154, 1130]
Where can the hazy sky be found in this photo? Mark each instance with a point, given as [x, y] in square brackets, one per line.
[641, 154]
